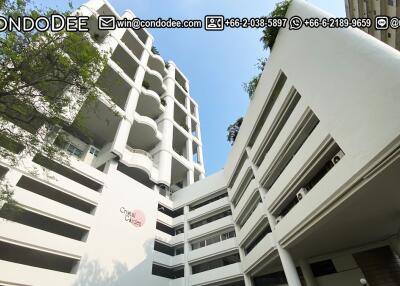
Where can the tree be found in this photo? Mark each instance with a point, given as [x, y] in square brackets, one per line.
[251, 86]
[270, 33]
[233, 130]
[44, 78]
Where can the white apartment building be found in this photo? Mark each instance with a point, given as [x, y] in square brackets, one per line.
[371, 9]
[308, 194]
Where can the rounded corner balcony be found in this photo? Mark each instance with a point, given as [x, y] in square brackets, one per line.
[154, 81]
[144, 134]
[156, 63]
[149, 104]
[140, 159]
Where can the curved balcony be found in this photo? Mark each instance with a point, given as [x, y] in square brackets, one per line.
[154, 81]
[156, 63]
[149, 104]
[137, 158]
[144, 133]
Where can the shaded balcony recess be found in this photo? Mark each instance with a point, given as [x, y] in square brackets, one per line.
[137, 174]
[166, 272]
[97, 35]
[142, 35]
[67, 172]
[114, 86]
[35, 220]
[132, 44]
[179, 174]
[179, 143]
[149, 104]
[157, 64]
[97, 125]
[180, 96]
[210, 218]
[193, 109]
[105, 10]
[153, 81]
[216, 263]
[143, 135]
[125, 62]
[180, 79]
[180, 117]
[194, 129]
[36, 258]
[208, 200]
[55, 195]
[196, 155]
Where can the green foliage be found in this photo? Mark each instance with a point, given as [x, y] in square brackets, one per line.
[270, 33]
[154, 50]
[251, 86]
[36, 70]
[233, 130]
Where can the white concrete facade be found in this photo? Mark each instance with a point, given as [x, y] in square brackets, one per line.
[308, 195]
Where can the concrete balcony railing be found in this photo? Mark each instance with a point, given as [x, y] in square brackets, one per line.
[11, 273]
[216, 275]
[156, 63]
[139, 159]
[211, 207]
[251, 225]
[149, 104]
[64, 213]
[167, 260]
[177, 282]
[148, 122]
[211, 250]
[211, 227]
[262, 251]
[244, 200]
[170, 239]
[65, 184]
[238, 185]
[39, 239]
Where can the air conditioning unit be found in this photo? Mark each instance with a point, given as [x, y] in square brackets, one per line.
[278, 219]
[301, 194]
[337, 157]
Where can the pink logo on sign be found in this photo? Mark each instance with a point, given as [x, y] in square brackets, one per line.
[138, 218]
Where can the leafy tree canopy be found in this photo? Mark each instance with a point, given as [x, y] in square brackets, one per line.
[36, 70]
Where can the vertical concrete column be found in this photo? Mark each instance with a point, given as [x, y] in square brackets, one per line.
[186, 246]
[167, 128]
[307, 273]
[246, 277]
[289, 267]
[286, 259]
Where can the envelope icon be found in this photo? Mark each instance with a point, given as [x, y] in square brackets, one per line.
[106, 23]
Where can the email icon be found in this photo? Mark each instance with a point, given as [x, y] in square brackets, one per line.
[106, 23]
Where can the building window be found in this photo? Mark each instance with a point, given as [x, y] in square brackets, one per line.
[391, 2]
[227, 260]
[389, 35]
[211, 219]
[73, 150]
[94, 151]
[213, 239]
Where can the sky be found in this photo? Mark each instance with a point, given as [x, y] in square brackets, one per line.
[216, 63]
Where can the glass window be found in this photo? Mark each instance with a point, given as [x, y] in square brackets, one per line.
[73, 150]
[94, 151]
